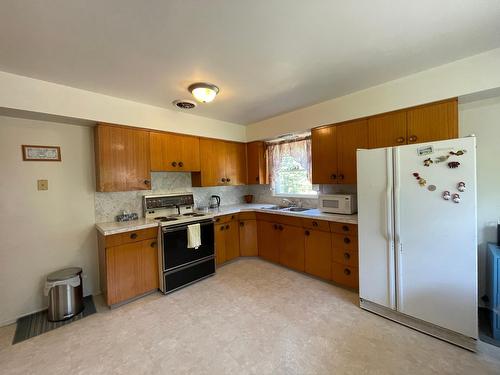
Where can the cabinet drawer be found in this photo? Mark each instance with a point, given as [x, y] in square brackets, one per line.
[280, 219]
[344, 242]
[345, 275]
[344, 228]
[347, 257]
[132, 236]
[246, 215]
[226, 218]
[316, 224]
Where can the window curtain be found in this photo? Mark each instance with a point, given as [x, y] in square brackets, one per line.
[299, 149]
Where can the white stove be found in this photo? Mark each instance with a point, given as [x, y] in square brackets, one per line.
[172, 209]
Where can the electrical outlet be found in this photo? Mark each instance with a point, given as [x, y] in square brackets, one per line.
[43, 184]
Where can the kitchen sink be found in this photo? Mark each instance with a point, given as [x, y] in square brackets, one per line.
[296, 209]
[274, 208]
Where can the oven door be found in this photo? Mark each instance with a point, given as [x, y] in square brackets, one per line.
[174, 245]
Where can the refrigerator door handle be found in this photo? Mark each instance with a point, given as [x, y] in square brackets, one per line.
[397, 233]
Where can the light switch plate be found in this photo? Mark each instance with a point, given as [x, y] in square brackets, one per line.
[43, 184]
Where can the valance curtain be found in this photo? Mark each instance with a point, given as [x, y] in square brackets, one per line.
[298, 149]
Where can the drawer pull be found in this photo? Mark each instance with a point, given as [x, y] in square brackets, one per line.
[227, 226]
[174, 164]
[181, 164]
[345, 228]
[315, 223]
[347, 240]
[347, 271]
[133, 236]
[222, 227]
[275, 226]
[217, 220]
[153, 244]
[347, 256]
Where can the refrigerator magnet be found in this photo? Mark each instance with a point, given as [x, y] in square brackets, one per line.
[453, 164]
[421, 151]
[446, 195]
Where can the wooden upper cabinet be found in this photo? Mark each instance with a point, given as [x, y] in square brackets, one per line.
[324, 155]
[433, 122]
[256, 163]
[122, 158]
[221, 162]
[174, 152]
[235, 163]
[387, 130]
[350, 137]
[212, 163]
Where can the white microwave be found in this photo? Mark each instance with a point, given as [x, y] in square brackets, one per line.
[338, 203]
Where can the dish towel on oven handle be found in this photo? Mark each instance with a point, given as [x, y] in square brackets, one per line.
[194, 236]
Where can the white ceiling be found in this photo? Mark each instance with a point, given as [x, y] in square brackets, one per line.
[267, 56]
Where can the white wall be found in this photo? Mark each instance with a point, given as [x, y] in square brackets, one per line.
[473, 74]
[483, 119]
[28, 94]
[42, 231]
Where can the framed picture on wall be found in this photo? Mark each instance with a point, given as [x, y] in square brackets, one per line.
[41, 153]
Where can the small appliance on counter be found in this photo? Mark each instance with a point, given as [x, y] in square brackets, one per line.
[338, 203]
[214, 201]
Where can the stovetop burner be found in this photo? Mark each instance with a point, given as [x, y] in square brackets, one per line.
[193, 214]
[164, 218]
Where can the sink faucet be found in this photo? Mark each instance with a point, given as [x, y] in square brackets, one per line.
[289, 203]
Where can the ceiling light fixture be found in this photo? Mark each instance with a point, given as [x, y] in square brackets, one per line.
[203, 92]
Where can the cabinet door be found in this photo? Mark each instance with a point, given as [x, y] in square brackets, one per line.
[123, 264]
[122, 159]
[220, 243]
[318, 253]
[174, 152]
[324, 155]
[232, 233]
[433, 122]
[350, 137]
[248, 238]
[387, 130]
[212, 163]
[148, 266]
[292, 247]
[268, 240]
[256, 163]
[235, 163]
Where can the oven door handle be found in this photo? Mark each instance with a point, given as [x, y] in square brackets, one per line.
[184, 227]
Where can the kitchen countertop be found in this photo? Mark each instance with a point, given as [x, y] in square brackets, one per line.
[126, 226]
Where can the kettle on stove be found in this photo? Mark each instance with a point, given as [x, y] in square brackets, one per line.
[214, 201]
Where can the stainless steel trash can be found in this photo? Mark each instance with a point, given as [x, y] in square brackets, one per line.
[65, 291]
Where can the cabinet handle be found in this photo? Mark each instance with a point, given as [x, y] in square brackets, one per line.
[227, 226]
[133, 236]
[347, 271]
[347, 256]
[257, 178]
[242, 223]
[333, 177]
[307, 233]
[228, 179]
[275, 226]
[345, 228]
[153, 244]
[147, 182]
[315, 223]
[217, 220]
[341, 176]
[280, 227]
[181, 164]
[347, 240]
[223, 180]
[413, 138]
[222, 227]
[174, 164]
[232, 217]
[400, 140]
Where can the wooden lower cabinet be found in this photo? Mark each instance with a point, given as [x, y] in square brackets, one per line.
[128, 269]
[345, 275]
[345, 255]
[268, 240]
[318, 253]
[248, 238]
[227, 243]
[291, 247]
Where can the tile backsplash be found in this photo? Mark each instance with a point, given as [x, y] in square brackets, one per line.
[108, 205]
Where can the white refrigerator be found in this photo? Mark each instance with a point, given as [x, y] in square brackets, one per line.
[418, 236]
